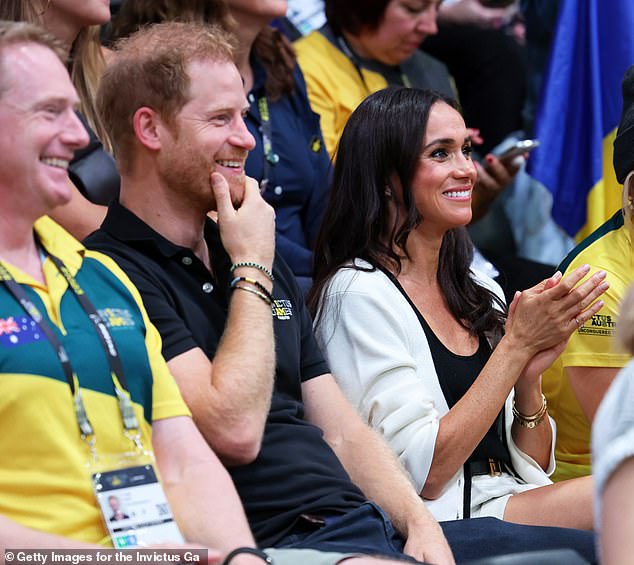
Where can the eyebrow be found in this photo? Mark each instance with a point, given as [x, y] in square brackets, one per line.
[226, 109]
[55, 100]
[445, 141]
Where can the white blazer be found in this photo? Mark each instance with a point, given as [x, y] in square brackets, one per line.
[378, 352]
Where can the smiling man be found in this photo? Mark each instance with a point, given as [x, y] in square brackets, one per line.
[58, 337]
[173, 103]
[90, 402]
[235, 331]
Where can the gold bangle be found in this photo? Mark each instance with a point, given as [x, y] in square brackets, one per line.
[533, 420]
[259, 294]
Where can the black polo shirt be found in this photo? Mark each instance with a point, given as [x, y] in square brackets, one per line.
[296, 472]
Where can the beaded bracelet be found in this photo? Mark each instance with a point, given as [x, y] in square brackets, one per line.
[533, 420]
[255, 283]
[262, 268]
[254, 291]
[248, 550]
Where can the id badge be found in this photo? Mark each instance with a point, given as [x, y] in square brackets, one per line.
[135, 508]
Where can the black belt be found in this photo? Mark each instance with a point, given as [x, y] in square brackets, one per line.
[490, 466]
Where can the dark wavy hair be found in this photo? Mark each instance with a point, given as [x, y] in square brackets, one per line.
[272, 48]
[352, 16]
[383, 139]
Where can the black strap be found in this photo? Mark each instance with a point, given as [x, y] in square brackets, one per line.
[354, 59]
[248, 550]
[466, 499]
[266, 128]
[128, 416]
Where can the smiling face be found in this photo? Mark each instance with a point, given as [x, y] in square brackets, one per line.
[208, 134]
[405, 24]
[81, 13]
[39, 131]
[443, 182]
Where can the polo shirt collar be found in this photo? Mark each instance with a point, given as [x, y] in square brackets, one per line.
[125, 226]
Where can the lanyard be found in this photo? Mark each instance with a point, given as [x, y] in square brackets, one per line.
[270, 157]
[347, 51]
[130, 422]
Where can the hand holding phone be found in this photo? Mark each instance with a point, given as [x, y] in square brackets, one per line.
[520, 148]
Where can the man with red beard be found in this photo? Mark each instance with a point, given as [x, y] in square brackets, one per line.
[236, 334]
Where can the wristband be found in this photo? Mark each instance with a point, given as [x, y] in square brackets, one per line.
[533, 420]
[256, 284]
[247, 550]
[257, 266]
[253, 291]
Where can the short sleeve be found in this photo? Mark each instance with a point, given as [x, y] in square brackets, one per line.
[167, 401]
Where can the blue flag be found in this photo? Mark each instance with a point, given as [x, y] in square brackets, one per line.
[580, 110]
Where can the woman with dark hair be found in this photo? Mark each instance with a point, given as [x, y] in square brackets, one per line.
[289, 160]
[369, 45]
[417, 338]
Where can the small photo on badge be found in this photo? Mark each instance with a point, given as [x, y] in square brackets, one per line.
[116, 509]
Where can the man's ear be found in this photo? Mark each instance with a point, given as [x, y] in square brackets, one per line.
[148, 127]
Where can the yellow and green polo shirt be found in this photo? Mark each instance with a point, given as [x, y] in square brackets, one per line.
[608, 248]
[44, 481]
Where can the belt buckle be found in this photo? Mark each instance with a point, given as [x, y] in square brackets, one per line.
[495, 468]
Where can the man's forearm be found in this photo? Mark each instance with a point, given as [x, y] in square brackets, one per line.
[16, 536]
[244, 364]
[205, 503]
[376, 470]
[230, 398]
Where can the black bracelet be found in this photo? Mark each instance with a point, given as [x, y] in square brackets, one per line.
[249, 550]
[256, 284]
[253, 265]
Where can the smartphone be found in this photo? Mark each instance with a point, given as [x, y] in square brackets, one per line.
[519, 148]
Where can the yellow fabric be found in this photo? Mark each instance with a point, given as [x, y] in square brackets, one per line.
[334, 86]
[590, 346]
[44, 480]
[605, 197]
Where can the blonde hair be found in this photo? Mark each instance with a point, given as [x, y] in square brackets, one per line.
[14, 33]
[87, 64]
[86, 59]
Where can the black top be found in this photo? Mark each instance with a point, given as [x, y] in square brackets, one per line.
[296, 472]
[456, 374]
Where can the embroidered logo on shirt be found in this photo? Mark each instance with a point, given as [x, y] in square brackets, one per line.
[599, 324]
[117, 317]
[282, 309]
[19, 331]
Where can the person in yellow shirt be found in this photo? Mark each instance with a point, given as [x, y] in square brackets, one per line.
[577, 381]
[367, 46]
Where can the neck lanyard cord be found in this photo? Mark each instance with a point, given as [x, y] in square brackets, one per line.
[130, 422]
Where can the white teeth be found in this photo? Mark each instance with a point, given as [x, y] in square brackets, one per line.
[458, 193]
[54, 162]
[230, 164]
